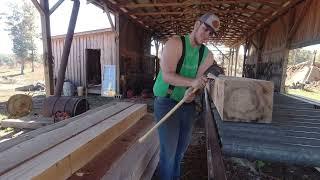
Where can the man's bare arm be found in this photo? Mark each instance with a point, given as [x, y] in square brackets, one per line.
[172, 52]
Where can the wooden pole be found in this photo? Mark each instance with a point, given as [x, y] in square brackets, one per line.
[66, 48]
[47, 49]
[236, 61]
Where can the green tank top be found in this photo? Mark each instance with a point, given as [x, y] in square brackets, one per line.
[188, 69]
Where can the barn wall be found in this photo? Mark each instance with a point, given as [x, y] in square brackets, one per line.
[274, 43]
[76, 68]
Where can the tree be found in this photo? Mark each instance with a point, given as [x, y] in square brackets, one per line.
[22, 28]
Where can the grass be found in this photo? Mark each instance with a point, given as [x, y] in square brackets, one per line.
[305, 93]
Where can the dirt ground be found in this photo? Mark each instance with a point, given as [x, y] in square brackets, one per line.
[10, 78]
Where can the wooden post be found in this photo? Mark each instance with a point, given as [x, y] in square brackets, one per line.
[232, 57]
[66, 48]
[47, 50]
[236, 61]
[116, 16]
[229, 61]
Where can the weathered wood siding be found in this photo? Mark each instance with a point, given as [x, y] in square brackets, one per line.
[76, 69]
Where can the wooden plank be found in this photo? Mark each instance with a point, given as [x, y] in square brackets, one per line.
[133, 163]
[125, 149]
[150, 169]
[243, 99]
[8, 144]
[69, 156]
[23, 124]
[43, 142]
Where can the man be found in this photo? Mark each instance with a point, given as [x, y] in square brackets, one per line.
[184, 60]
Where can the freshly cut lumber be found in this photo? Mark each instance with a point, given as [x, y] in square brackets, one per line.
[27, 149]
[62, 160]
[26, 124]
[8, 144]
[243, 99]
[151, 168]
[125, 158]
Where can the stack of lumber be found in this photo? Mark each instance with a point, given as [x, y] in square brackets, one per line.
[28, 122]
[99, 144]
[243, 99]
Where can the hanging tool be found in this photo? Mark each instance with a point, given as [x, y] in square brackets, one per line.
[212, 73]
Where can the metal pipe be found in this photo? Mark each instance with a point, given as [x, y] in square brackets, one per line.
[66, 48]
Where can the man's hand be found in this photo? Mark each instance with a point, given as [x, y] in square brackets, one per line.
[189, 95]
[199, 83]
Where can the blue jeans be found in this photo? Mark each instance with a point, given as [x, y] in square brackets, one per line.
[174, 135]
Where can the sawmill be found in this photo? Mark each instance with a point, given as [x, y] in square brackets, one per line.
[111, 130]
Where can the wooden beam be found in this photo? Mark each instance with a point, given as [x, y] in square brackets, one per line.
[123, 157]
[75, 152]
[282, 10]
[28, 149]
[190, 3]
[236, 61]
[47, 47]
[191, 12]
[6, 145]
[55, 6]
[299, 19]
[39, 8]
[243, 99]
[26, 124]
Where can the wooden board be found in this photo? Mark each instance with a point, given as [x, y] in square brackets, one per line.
[23, 124]
[8, 144]
[243, 99]
[151, 167]
[124, 156]
[61, 161]
[43, 142]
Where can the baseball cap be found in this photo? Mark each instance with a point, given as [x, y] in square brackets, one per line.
[211, 20]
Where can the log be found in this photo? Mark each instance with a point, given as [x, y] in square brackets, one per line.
[243, 99]
[62, 160]
[26, 124]
[43, 142]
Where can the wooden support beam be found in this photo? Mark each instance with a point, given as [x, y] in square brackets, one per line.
[236, 61]
[300, 17]
[192, 12]
[39, 8]
[190, 3]
[66, 48]
[55, 6]
[243, 99]
[282, 10]
[77, 150]
[47, 47]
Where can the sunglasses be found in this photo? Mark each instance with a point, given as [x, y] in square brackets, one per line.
[210, 29]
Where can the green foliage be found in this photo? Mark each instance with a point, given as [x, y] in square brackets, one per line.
[260, 164]
[22, 28]
[6, 60]
[299, 55]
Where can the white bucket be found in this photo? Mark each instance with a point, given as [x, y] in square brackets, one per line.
[80, 90]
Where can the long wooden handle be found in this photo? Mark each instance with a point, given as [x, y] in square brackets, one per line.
[165, 117]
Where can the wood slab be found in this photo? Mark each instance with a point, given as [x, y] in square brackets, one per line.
[26, 124]
[62, 160]
[243, 99]
[12, 142]
[30, 148]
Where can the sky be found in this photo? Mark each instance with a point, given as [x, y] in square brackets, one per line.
[90, 17]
